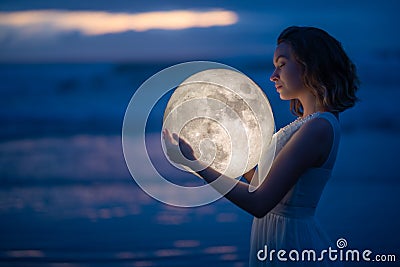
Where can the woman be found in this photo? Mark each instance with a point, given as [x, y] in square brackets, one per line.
[315, 74]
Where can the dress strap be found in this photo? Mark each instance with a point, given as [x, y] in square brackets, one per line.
[330, 161]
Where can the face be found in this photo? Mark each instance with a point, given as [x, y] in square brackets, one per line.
[287, 74]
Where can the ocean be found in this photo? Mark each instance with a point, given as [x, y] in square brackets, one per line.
[68, 199]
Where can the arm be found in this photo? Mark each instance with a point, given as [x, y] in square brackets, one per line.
[306, 149]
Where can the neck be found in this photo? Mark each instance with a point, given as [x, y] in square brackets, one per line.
[310, 105]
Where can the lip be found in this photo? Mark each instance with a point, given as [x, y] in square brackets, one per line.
[278, 87]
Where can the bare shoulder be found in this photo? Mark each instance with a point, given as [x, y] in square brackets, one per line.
[318, 129]
[316, 138]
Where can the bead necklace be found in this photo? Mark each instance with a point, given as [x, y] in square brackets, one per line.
[284, 134]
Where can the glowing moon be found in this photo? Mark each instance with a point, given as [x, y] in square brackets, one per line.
[225, 117]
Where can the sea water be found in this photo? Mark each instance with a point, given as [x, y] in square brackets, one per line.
[66, 195]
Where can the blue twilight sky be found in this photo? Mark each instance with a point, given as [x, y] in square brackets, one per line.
[364, 27]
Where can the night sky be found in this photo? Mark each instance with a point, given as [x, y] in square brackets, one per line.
[365, 28]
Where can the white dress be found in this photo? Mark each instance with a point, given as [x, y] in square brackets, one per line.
[291, 225]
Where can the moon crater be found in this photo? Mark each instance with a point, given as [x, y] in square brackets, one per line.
[224, 116]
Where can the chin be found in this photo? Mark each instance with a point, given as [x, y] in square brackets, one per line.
[283, 97]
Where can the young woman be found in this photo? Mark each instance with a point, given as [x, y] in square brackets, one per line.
[315, 74]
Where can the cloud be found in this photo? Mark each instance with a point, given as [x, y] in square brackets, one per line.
[100, 22]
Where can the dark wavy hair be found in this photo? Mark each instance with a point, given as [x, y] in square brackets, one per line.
[327, 70]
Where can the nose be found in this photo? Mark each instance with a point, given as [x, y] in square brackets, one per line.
[274, 76]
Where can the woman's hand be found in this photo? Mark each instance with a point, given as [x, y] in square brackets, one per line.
[178, 150]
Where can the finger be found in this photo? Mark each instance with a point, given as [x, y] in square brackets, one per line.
[172, 137]
[175, 136]
[167, 136]
[166, 132]
[163, 133]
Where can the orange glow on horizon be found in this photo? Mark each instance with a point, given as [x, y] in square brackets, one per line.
[100, 22]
